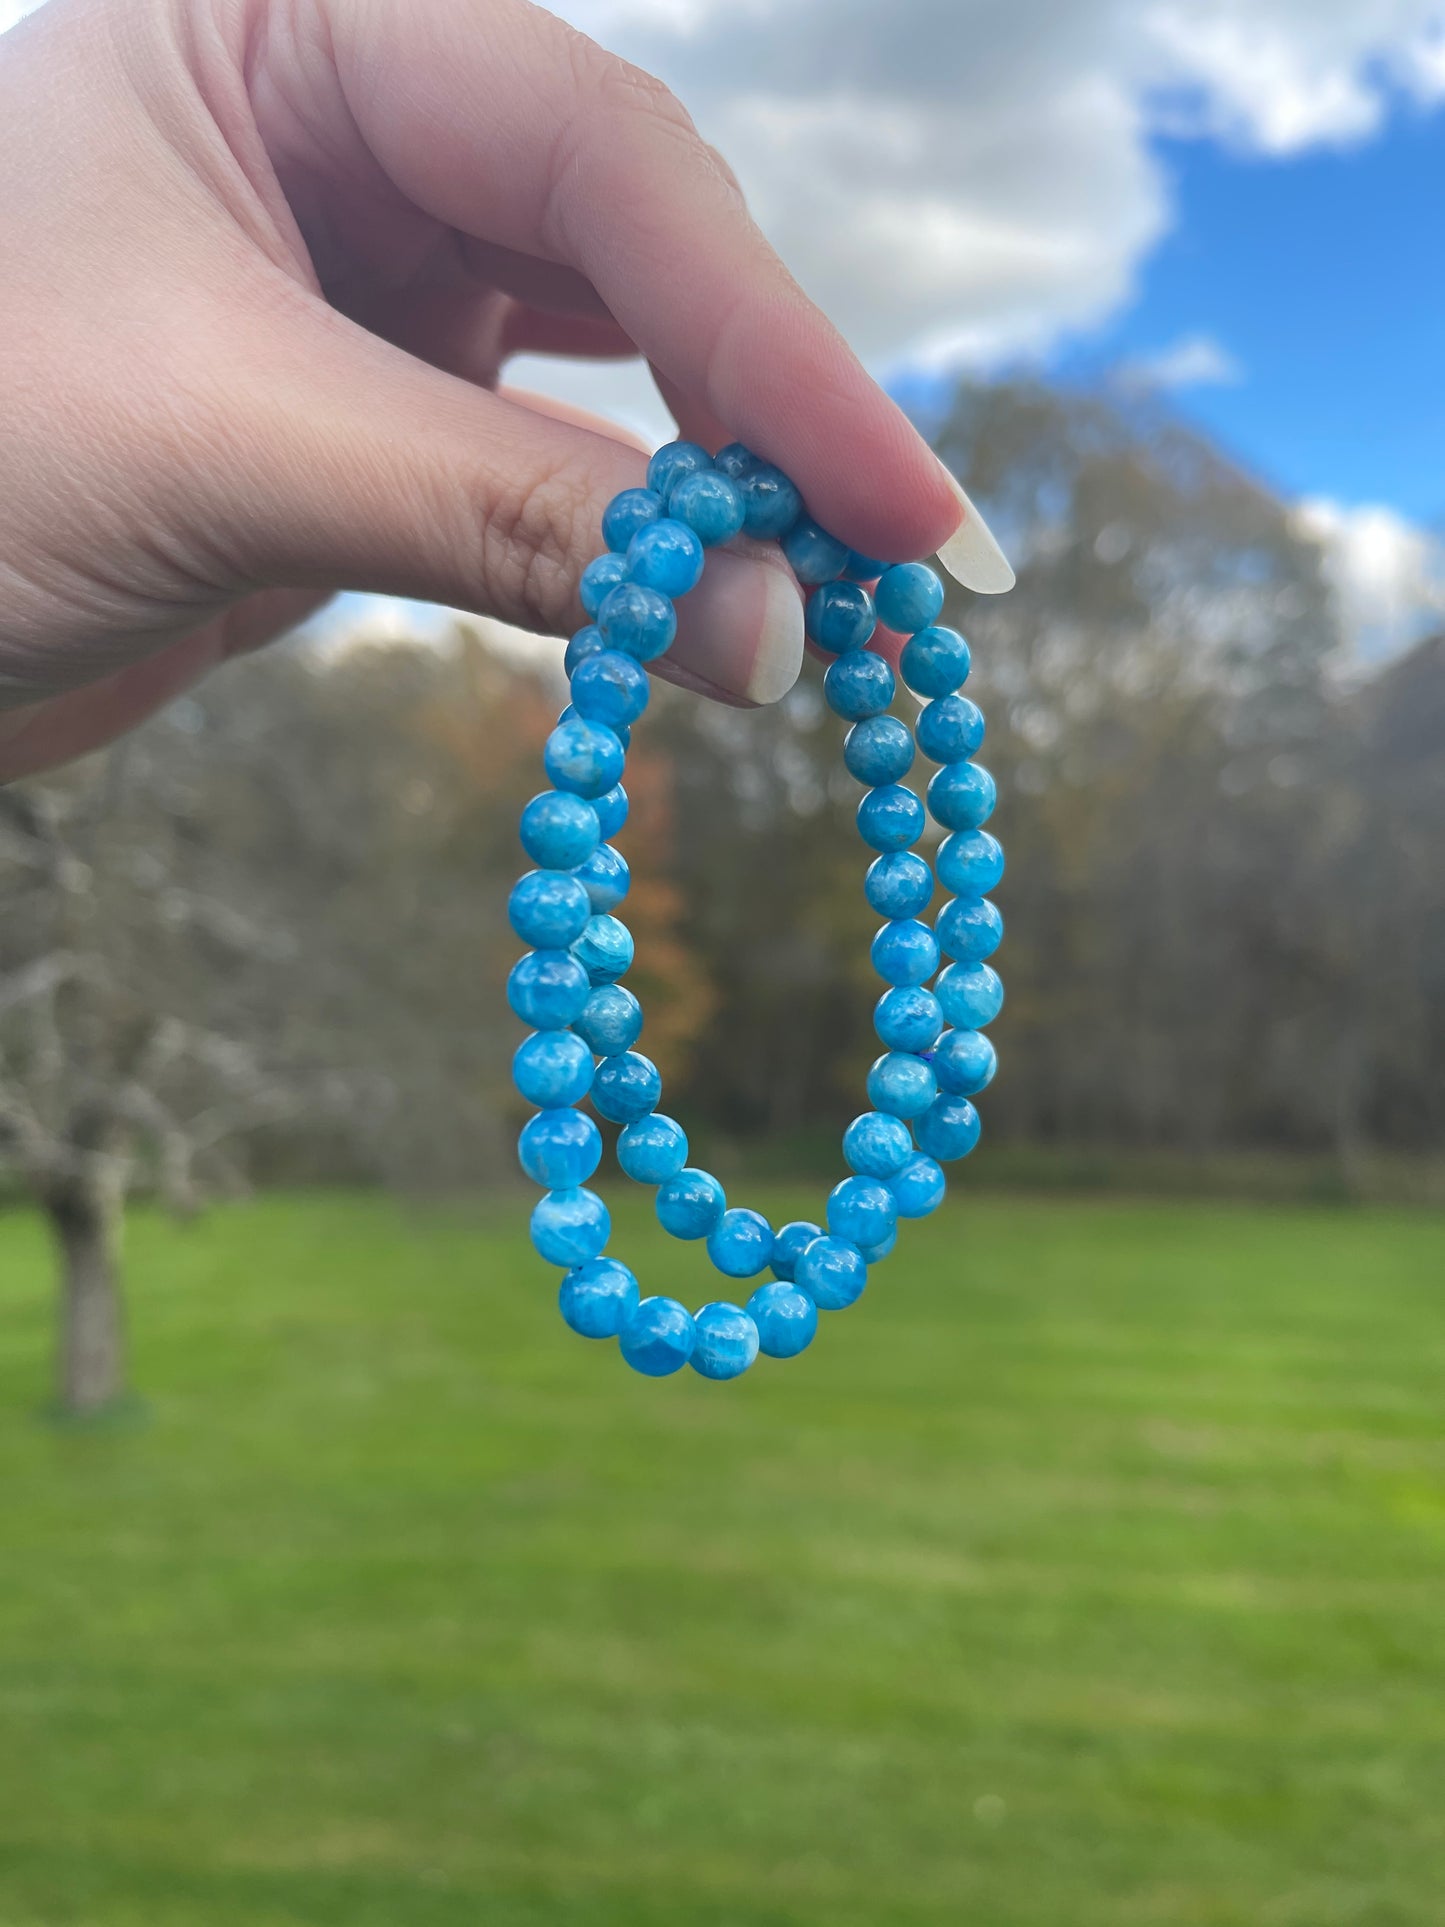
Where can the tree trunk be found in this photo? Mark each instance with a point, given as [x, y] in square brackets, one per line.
[85, 1217]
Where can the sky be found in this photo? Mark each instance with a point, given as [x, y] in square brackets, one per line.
[1233, 201]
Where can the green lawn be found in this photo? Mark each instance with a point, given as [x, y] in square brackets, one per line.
[1091, 1570]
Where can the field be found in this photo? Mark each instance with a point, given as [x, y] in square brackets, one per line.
[1092, 1570]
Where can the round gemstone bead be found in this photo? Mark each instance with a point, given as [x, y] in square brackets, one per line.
[548, 909]
[790, 1243]
[553, 1068]
[875, 1254]
[671, 462]
[840, 617]
[908, 1018]
[970, 995]
[970, 863]
[604, 876]
[597, 1298]
[950, 729]
[587, 642]
[710, 504]
[604, 949]
[638, 621]
[786, 1318]
[898, 884]
[626, 1086]
[970, 928]
[890, 818]
[571, 1226]
[833, 1272]
[962, 796]
[858, 685]
[860, 1209]
[964, 1062]
[628, 512]
[909, 596]
[813, 554]
[547, 989]
[934, 662]
[610, 1021]
[901, 1084]
[657, 1338]
[948, 1129]
[690, 1204]
[734, 461]
[559, 1148]
[741, 1243]
[771, 504]
[611, 813]
[726, 1341]
[875, 1145]
[585, 758]
[610, 688]
[919, 1187]
[559, 831]
[863, 568]
[599, 579]
[652, 1149]
[665, 556]
[905, 951]
[879, 750]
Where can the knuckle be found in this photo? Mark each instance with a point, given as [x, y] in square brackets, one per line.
[528, 545]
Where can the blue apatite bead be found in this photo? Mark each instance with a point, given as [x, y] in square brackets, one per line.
[571, 1226]
[741, 1243]
[726, 1341]
[879, 750]
[596, 1299]
[813, 554]
[601, 576]
[890, 817]
[948, 1129]
[964, 1062]
[690, 1204]
[771, 504]
[559, 1148]
[671, 462]
[790, 1243]
[628, 512]
[548, 909]
[566, 715]
[657, 1338]
[547, 989]
[652, 1149]
[970, 863]
[833, 1272]
[604, 949]
[905, 951]
[858, 685]
[587, 642]
[860, 1209]
[610, 1021]
[665, 556]
[875, 1254]
[840, 617]
[875, 1145]
[901, 1084]
[605, 877]
[962, 796]
[909, 596]
[786, 1318]
[934, 662]
[626, 1086]
[918, 1187]
[638, 621]
[610, 688]
[908, 1018]
[950, 729]
[898, 884]
[734, 461]
[552, 1068]
[559, 831]
[585, 758]
[611, 812]
[970, 928]
[863, 568]
[710, 504]
[970, 995]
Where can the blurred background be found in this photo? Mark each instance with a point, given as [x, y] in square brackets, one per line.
[1093, 1569]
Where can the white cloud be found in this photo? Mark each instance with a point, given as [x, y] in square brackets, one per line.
[1388, 573]
[1194, 361]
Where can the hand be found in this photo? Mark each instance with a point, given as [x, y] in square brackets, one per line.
[264, 264]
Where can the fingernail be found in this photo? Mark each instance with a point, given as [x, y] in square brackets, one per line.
[741, 629]
[971, 555]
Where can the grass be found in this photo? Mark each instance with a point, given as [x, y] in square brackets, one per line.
[1092, 1570]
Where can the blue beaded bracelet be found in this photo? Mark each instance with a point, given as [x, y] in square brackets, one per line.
[585, 1023]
